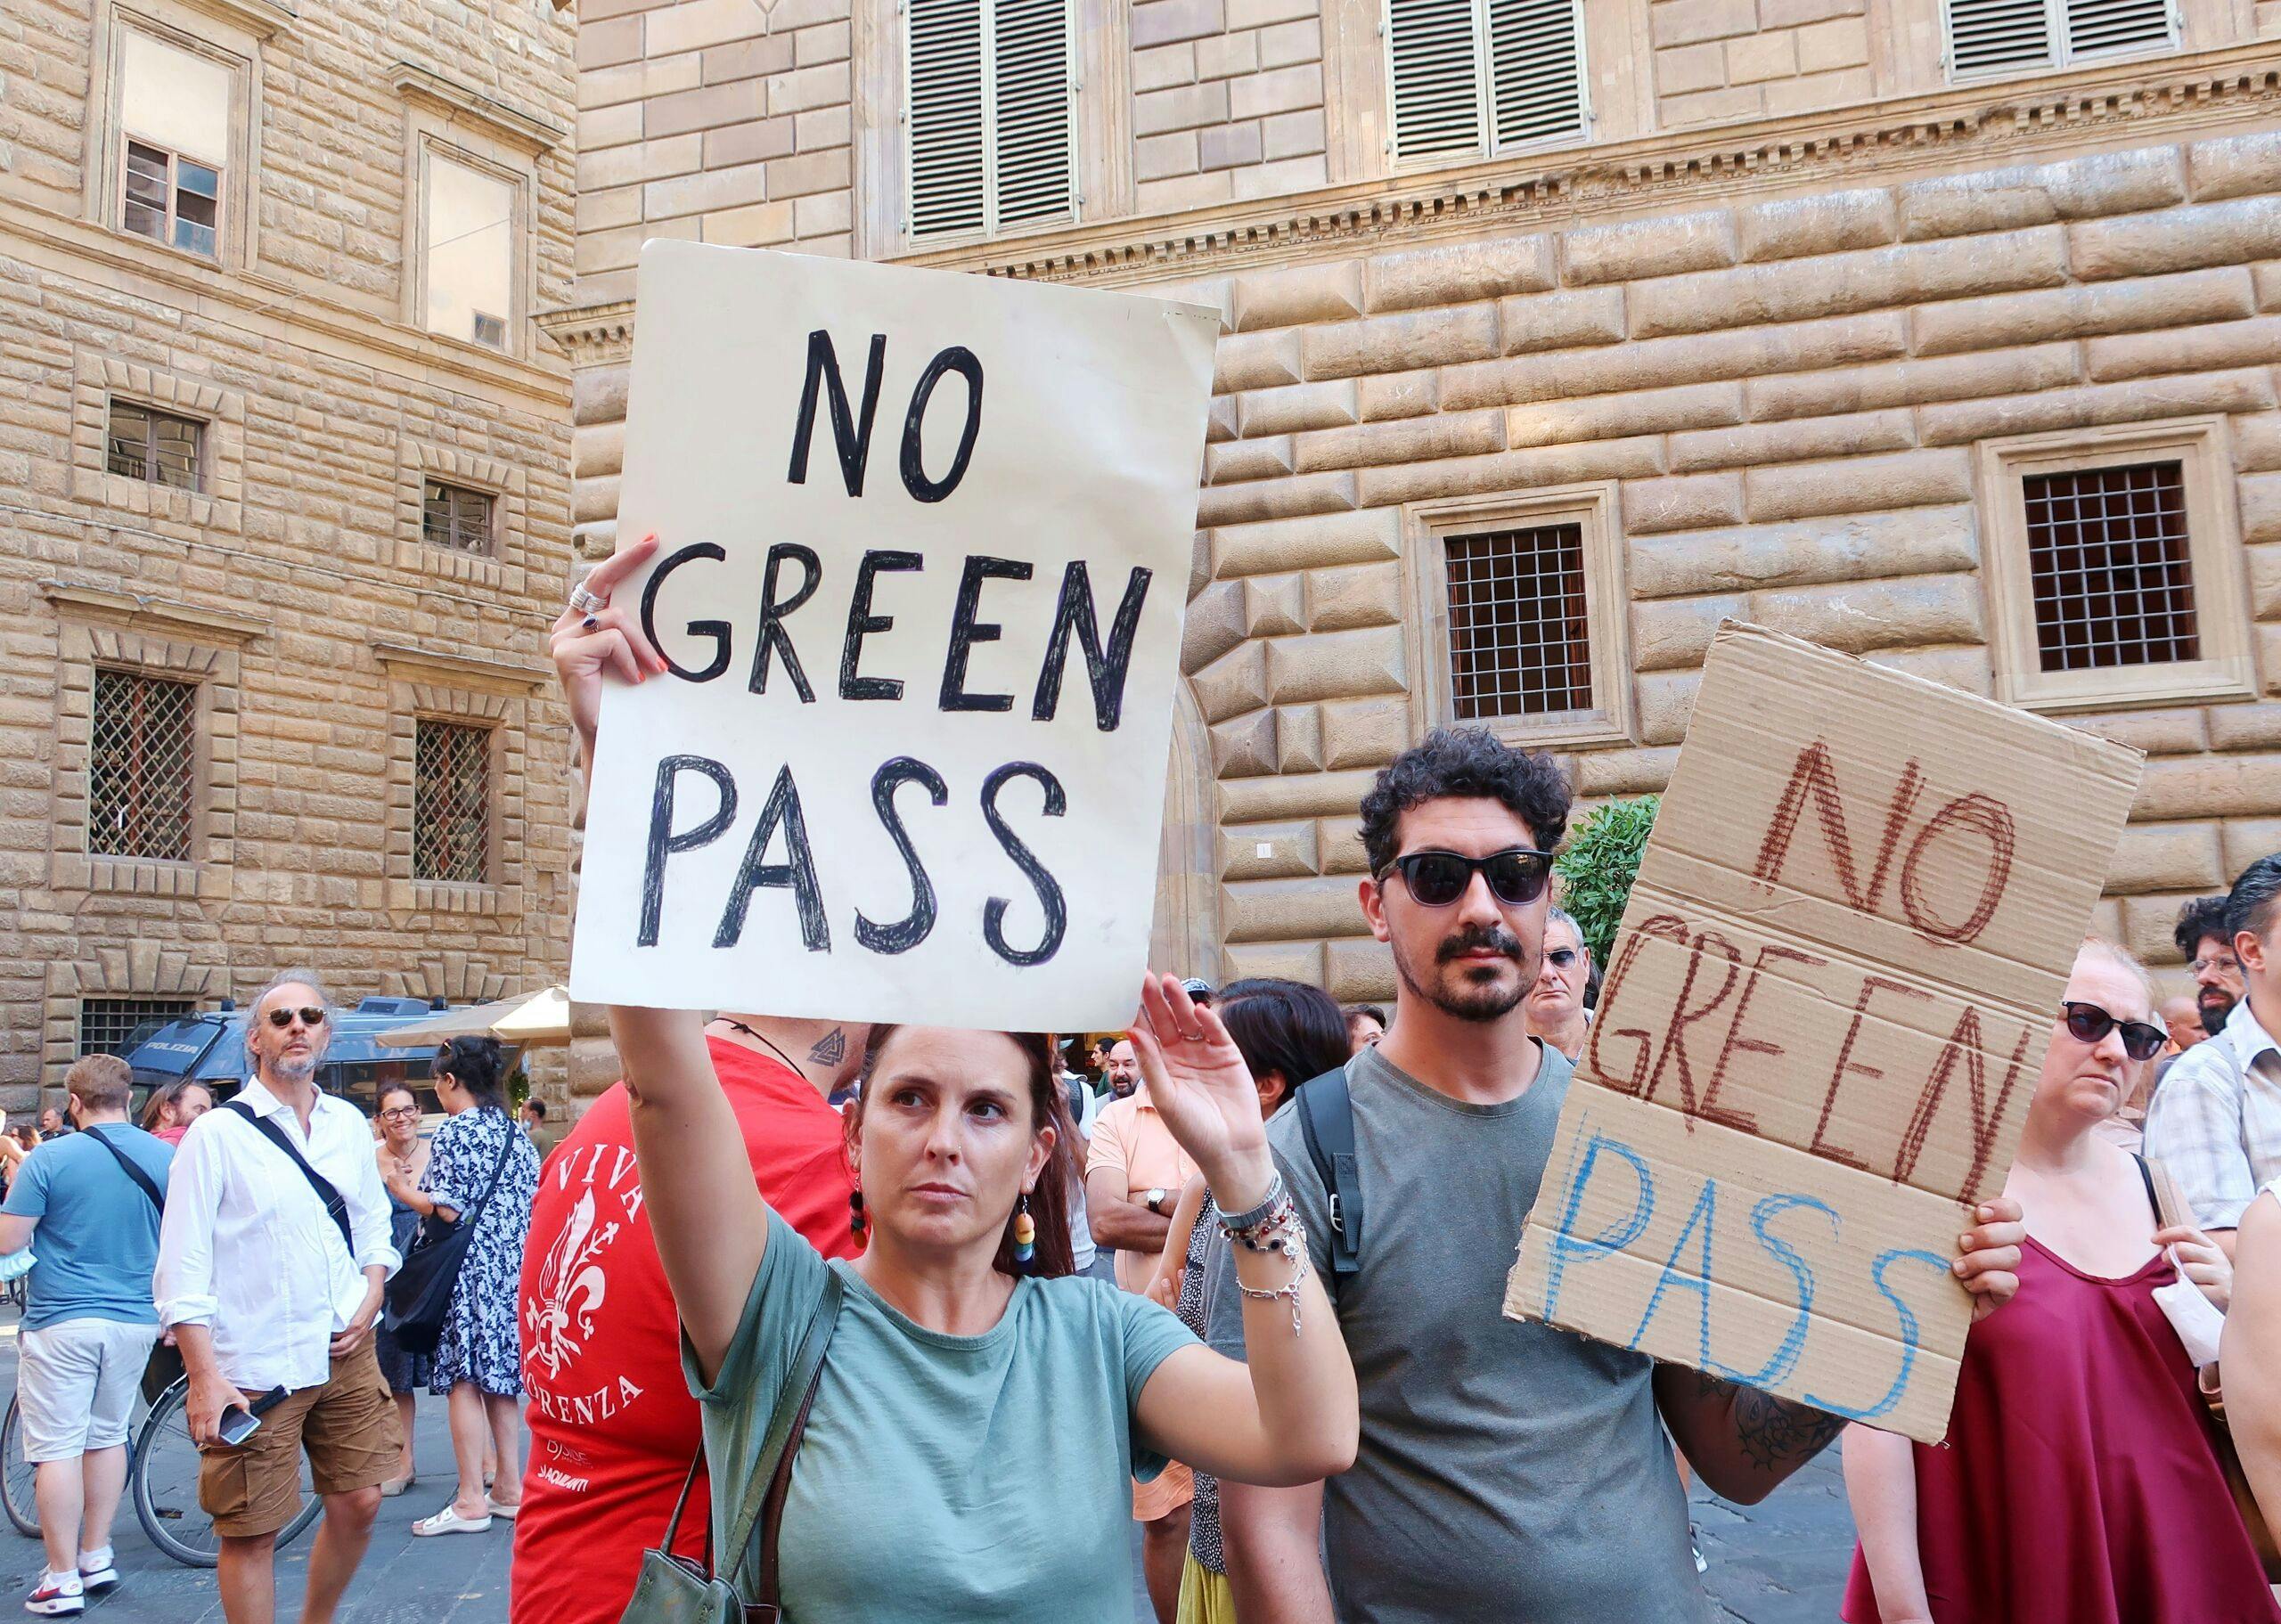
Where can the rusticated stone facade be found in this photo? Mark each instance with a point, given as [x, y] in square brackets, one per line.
[290, 585]
[1778, 342]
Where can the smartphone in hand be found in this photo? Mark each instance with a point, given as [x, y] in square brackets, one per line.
[241, 1421]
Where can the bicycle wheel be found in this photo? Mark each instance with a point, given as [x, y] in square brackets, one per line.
[163, 1479]
[16, 1474]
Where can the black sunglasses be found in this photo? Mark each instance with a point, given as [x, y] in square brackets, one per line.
[284, 1017]
[1560, 958]
[1515, 874]
[2089, 1024]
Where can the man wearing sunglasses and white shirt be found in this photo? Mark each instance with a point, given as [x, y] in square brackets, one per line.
[1554, 1006]
[270, 1282]
[1508, 1470]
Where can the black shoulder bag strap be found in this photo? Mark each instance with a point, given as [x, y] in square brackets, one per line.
[506, 1149]
[1326, 1121]
[334, 1206]
[126, 1164]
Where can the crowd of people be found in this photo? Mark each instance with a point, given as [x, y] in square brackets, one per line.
[903, 1323]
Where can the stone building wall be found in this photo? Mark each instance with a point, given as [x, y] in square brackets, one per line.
[1773, 332]
[295, 589]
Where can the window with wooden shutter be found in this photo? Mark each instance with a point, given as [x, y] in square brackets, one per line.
[1994, 37]
[1472, 77]
[990, 119]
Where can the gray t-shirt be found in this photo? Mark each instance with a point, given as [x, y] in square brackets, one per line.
[1508, 1470]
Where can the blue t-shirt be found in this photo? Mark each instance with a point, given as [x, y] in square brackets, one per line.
[943, 1477]
[97, 1239]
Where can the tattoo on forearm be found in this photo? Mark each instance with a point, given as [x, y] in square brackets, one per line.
[1775, 1433]
[830, 1048]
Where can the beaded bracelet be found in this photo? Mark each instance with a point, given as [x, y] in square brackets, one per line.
[1273, 1226]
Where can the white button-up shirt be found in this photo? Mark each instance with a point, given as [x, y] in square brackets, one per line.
[2215, 1120]
[248, 1249]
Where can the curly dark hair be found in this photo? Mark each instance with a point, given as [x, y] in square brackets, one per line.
[2203, 916]
[1470, 762]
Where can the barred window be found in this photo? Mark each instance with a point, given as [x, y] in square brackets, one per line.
[2110, 567]
[111, 1025]
[140, 766]
[154, 446]
[455, 517]
[1520, 632]
[450, 802]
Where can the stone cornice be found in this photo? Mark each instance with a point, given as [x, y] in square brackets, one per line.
[144, 613]
[74, 247]
[495, 117]
[591, 335]
[2008, 121]
[460, 670]
[259, 17]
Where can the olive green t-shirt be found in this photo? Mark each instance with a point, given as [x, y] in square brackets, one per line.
[943, 1477]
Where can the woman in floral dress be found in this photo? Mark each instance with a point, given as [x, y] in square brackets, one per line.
[478, 1362]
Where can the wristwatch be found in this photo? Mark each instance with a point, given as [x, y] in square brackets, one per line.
[1155, 1201]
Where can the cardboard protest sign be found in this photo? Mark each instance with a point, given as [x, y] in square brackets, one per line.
[1824, 1015]
[924, 548]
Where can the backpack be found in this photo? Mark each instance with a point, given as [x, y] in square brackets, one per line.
[1327, 1123]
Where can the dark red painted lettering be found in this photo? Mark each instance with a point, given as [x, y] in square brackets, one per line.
[1709, 945]
[1711, 1111]
[1668, 926]
[1963, 1048]
[1821, 1147]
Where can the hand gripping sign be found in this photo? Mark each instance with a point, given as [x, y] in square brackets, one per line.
[924, 547]
[1828, 1007]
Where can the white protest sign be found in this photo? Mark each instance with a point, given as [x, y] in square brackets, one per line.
[924, 543]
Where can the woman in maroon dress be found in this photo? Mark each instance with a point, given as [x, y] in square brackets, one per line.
[2078, 1484]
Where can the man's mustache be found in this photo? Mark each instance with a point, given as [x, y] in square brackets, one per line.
[1492, 938]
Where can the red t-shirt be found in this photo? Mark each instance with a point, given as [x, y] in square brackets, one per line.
[613, 1428]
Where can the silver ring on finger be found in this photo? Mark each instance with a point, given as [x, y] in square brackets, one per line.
[1192, 1037]
[587, 603]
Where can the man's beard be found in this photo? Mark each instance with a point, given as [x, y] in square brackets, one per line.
[2213, 1012]
[1473, 1002]
[293, 1068]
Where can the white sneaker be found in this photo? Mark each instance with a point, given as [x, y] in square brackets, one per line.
[97, 1574]
[60, 1595]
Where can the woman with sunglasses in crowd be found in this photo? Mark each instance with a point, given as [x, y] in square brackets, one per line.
[402, 1155]
[2076, 1407]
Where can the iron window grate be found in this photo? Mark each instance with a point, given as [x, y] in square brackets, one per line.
[452, 516]
[450, 802]
[108, 1025]
[156, 447]
[139, 760]
[2109, 566]
[1520, 634]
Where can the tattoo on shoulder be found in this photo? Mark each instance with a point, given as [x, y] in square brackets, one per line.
[830, 1048]
[1776, 1434]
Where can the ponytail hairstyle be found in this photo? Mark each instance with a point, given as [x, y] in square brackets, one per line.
[1050, 1205]
[477, 1064]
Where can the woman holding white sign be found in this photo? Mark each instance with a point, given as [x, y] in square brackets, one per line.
[967, 1432]
[2076, 1409]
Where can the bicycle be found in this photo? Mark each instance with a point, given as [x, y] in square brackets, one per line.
[161, 1482]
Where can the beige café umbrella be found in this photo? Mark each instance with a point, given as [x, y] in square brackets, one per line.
[529, 1018]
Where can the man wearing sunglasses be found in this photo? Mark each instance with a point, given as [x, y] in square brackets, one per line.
[1555, 1002]
[272, 1256]
[2215, 1120]
[1508, 1470]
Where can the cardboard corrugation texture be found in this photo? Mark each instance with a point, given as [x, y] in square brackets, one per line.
[1823, 1021]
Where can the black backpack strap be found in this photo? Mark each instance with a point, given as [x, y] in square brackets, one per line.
[126, 1164]
[506, 1149]
[334, 1206]
[1327, 1123]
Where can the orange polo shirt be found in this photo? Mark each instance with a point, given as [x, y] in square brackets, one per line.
[1130, 1137]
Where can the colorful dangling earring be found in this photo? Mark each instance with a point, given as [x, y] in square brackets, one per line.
[1025, 1235]
[855, 1221]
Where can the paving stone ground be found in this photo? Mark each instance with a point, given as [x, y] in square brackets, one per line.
[1781, 1563]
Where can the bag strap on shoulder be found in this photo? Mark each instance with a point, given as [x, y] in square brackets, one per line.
[506, 1149]
[1327, 1123]
[335, 1207]
[786, 1424]
[126, 1164]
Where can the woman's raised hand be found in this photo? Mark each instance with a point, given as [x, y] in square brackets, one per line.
[2199, 1261]
[1201, 1088]
[585, 645]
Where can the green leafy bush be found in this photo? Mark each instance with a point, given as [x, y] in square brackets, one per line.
[1599, 864]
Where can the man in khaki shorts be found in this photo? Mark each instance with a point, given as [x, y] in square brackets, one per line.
[88, 1206]
[271, 1261]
